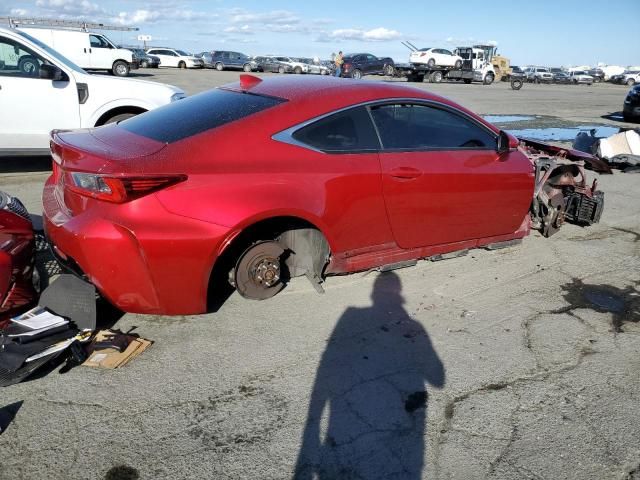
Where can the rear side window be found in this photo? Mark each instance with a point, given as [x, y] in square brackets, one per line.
[197, 114]
[344, 132]
[407, 126]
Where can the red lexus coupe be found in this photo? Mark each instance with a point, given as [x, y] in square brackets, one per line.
[262, 180]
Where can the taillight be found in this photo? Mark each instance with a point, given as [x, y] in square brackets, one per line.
[346, 66]
[118, 189]
[422, 54]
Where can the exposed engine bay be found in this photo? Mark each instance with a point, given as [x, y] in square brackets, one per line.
[561, 192]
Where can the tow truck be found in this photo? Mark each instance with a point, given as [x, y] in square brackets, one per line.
[476, 66]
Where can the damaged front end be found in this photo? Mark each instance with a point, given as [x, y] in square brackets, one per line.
[561, 192]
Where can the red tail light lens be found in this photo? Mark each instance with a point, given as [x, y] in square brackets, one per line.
[118, 189]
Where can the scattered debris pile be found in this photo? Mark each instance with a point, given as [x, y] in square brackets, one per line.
[621, 150]
[62, 328]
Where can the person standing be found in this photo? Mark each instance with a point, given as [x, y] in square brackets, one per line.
[339, 61]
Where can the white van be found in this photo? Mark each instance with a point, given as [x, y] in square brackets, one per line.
[91, 51]
[41, 90]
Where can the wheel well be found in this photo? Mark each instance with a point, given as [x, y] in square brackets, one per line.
[219, 288]
[117, 111]
[120, 60]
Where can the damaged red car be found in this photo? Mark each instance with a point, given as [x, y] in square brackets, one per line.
[17, 256]
[263, 180]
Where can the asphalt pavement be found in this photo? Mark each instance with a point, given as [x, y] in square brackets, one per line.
[508, 364]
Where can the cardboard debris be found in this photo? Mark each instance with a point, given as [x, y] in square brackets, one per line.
[113, 349]
[623, 143]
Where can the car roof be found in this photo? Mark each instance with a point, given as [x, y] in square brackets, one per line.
[330, 93]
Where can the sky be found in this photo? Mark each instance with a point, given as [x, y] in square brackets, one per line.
[536, 32]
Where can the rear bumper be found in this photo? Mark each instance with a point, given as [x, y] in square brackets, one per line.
[140, 257]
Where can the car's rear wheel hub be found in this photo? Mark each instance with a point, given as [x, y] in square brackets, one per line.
[258, 273]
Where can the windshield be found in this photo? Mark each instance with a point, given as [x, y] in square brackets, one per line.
[183, 53]
[62, 59]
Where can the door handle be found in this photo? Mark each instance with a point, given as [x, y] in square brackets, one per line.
[405, 173]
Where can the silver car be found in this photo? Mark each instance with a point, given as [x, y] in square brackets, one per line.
[315, 68]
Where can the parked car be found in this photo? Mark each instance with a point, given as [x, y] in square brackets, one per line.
[304, 176]
[91, 51]
[435, 57]
[611, 70]
[17, 250]
[144, 60]
[597, 74]
[207, 59]
[631, 78]
[631, 106]
[516, 73]
[628, 77]
[296, 66]
[559, 75]
[171, 57]
[226, 60]
[280, 65]
[580, 76]
[314, 68]
[538, 75]
[357, 65]
[53, 93]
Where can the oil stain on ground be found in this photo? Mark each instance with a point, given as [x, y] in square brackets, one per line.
[622, 303]
[122, 472]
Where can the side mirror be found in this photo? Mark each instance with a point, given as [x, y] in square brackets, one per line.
[51, 72]
[502, 142]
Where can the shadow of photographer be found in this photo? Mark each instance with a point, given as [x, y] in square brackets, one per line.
[368, 408]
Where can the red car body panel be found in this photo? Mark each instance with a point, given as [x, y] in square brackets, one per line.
[17, 249]
[155, 254]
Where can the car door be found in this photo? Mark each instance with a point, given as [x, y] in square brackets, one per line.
[168, 58]
[32, 106]
[375, 65]
[236, 60]
[267, 64]
[443, 179]
[342, 157]
[359, 62]
[437, 56]
[447, 58]
[101, 55]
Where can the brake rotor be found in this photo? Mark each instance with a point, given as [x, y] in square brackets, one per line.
[555, 215]
[258, 273]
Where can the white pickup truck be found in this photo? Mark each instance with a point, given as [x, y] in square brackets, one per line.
[41, 90]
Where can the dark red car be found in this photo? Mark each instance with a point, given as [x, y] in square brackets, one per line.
[263, 180]
[17, 250]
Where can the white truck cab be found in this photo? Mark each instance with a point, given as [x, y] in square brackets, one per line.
[88, 50]
[480, 58]
[41, 90]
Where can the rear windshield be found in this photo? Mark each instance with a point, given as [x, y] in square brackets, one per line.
[197, 114]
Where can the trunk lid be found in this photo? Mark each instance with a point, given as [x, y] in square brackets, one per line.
[102, 149]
